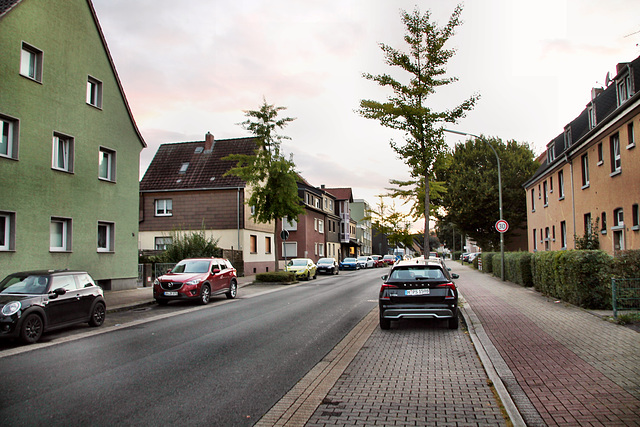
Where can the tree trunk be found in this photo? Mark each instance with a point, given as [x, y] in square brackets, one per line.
[427, 248]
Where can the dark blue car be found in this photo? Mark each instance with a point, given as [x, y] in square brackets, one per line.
[349, 264]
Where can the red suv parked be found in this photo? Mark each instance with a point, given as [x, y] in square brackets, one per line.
[197, 278]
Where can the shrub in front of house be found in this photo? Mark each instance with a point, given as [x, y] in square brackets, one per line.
[582, 278]
[626, 264]
[276, 277]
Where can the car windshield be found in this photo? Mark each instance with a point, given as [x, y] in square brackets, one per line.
[388, 257]
[298, 262]
[349, 260]
[362, 258]
[325, 261]
[417, 273]
[24, 284]
[201, 266]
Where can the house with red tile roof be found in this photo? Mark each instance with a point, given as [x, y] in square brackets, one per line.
[185, 188]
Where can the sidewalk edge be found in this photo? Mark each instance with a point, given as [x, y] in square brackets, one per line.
[472, 323]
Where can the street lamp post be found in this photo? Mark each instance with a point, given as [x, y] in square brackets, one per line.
[499, 192]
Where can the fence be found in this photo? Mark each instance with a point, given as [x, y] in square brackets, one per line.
[625, 295]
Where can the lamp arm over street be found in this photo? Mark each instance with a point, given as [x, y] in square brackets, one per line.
[499, 190]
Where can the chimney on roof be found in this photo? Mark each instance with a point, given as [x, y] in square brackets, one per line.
[209, 142]
[322, 186]
[595, 92]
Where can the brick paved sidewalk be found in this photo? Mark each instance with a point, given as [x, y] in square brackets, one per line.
[418, 373]
[572, 367]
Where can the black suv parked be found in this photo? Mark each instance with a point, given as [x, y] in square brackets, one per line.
[418, 289]
[33, 302]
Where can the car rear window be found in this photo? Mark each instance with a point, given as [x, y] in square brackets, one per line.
[417, 273]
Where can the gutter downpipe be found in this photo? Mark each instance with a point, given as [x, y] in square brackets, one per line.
[573, 198]
[238, 219]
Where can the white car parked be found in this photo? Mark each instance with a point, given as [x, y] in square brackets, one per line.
[365, 262]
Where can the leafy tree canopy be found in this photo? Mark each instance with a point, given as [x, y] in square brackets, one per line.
[471, 201]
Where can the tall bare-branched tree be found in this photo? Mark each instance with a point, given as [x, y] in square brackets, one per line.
[407, 109]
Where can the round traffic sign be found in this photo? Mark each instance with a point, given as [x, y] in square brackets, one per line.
[284, 234]
[502, 226]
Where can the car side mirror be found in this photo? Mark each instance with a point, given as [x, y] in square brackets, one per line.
[384, 277]
[215, 270]
[57, 292]
[455, 275]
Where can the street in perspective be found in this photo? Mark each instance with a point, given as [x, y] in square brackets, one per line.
[287, 355]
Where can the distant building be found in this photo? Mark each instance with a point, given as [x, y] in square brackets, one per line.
[591, 173]
[361, 213]
[70, 148]
[349, 246]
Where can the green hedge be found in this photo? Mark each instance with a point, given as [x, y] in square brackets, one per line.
[579, 277]
[276, 276]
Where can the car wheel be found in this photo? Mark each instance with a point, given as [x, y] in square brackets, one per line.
[205, 294]
[337, 271]
[453, 322]
[385, 323]
[315, 275]
[31, 329]
[97, 315]
[308, 277]
[233, 290]
[162, 301]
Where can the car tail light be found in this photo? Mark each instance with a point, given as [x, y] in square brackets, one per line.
[452, 290]
[385, 287]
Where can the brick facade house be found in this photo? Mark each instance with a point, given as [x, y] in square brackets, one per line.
[185, 189]
[591, 173]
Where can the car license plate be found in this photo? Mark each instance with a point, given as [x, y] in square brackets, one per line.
[171, 294]
[414, 292]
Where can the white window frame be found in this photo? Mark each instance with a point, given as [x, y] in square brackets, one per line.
[535, 240]
[288, 225]
[108, 155]
[584, 162]
[560, 185]
[623, 89]
[321, 249]
[592, 116]
[545, 193]
[109, 236]
[31, 59]
[160, 243]
[163, 207]
[631, 142]
[94, 92]
[65, 234]
[9, 132]
[267, 244]
[290, 253]
[66, 143]
[7, 231]
[614, 149]
[563, 234]
[320, 226]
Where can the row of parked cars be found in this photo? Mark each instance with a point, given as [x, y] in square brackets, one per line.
[35, 302]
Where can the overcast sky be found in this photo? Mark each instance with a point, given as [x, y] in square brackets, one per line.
[193, 66]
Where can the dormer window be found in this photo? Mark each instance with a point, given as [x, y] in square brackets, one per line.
[567, 137]
[623, 88]
[592, 116]
[551, 152]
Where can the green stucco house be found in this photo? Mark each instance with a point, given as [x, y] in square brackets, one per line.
[70, 148]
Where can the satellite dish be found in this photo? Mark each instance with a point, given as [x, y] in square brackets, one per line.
[607, 80]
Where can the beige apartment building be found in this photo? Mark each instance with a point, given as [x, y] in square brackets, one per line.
[590, 173]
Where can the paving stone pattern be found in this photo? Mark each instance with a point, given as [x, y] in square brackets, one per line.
[575, 368]
[416, 374]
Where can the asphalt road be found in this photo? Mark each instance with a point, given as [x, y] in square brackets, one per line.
[223, 364]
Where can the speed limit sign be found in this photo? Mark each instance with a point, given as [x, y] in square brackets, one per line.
[502, 226]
